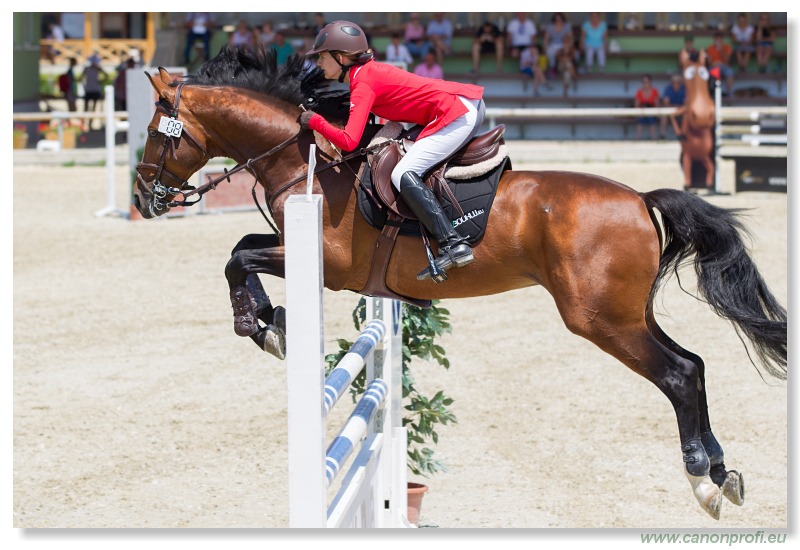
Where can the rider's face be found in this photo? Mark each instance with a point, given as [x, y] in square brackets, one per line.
[328, 65]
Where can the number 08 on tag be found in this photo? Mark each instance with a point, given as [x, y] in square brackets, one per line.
[170, 126]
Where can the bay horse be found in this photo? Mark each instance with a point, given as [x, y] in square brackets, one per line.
[696, 129]
[594, 244]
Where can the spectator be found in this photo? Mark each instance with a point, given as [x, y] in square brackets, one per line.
[674, 95]
[530, 64]
[415, 38]
[765, 37]
[688, 47]
[281, 48]
[397, 52]
[646, 96]
[594, 41]
[488, 40]
[429, 67]
[199, 25]
[557, 33]
[56, 34]
[120, 85]
[319, 22]
[742, 33]
[719, 56]
[520, 34]
[242, 36]
[566, 66]
[71, 86]
[265, 35]
[92, 78]
[440, 35]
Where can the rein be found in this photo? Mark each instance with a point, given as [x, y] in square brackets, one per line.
[186, 190]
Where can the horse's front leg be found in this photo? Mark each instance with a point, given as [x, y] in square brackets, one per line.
[252, 255]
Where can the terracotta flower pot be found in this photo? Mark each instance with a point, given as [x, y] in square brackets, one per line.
[415, 493]
[20, 141]
[69, 138]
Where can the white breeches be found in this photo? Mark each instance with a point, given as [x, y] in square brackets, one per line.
[433, 149]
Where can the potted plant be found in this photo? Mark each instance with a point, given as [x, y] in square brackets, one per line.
[20, 136]
[71, 133]
[424, 414]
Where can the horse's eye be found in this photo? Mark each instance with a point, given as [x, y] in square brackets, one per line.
[153, 133]
[702, 72]
[688, 74]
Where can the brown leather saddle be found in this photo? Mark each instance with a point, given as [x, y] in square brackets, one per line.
[480, 149]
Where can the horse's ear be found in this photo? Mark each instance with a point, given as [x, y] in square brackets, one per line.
[156, 83]
[160, 86]
[702, 59]
[166, 78]
[684, 58]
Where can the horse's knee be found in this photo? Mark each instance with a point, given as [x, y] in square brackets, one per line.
[234, 269]
[255, 241]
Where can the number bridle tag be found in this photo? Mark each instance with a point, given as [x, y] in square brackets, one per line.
[170, 126]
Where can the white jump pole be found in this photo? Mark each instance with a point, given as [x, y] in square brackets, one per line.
[305, 346]
[111, 131]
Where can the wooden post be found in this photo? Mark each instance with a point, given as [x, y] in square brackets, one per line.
[150, 39]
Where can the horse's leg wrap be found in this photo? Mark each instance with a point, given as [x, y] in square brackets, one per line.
[715, 456]
[244, 306]
[730, 481]
[264, 309]
[695, 457]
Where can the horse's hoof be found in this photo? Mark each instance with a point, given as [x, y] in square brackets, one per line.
[707, 494]
[272, 340]
[733, 487]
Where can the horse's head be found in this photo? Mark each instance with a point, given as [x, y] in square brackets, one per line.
[175, 149]
[699, 105]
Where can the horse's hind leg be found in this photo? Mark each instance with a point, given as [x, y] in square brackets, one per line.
[730, 481]
[618, 327]
[252, 255]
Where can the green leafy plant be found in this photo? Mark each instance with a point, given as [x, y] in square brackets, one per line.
[421, 328]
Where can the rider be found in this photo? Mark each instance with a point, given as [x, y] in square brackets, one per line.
[451, 113]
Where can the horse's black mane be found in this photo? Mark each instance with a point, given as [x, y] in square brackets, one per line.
[257, 69]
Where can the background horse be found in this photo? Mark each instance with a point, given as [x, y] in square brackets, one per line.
[594, 244]
[697, 123]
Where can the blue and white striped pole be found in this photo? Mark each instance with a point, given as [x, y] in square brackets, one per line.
[351, 364]
[354, 429]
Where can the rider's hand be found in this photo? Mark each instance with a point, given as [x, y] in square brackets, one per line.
[304, 119]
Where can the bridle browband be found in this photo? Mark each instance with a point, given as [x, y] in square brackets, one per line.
[186, 190]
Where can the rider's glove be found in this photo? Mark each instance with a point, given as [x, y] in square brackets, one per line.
[304, 119]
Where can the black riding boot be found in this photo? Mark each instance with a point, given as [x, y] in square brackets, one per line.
[453, 248]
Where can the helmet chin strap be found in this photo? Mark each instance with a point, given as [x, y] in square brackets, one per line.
[362, 58]
[345, 69]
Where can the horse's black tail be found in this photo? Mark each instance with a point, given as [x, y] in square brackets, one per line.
[727, 278]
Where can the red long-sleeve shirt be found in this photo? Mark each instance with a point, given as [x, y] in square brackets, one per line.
[399, 96]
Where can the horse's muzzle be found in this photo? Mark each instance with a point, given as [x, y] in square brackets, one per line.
[146, 202]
